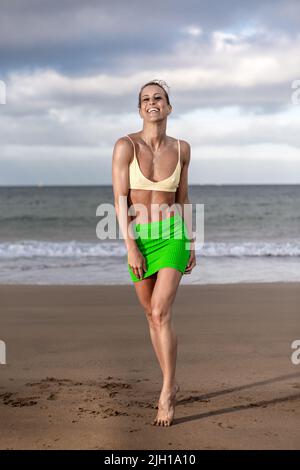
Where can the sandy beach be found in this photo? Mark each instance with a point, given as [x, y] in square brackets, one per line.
[81, 372]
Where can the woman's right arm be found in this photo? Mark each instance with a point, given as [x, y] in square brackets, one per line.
[120, 179]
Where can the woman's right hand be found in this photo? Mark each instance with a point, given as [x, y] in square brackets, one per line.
[137, 262]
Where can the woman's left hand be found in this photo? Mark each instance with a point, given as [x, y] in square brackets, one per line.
[192, 263]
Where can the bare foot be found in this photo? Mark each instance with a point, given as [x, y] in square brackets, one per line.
[177, 388]
[166, 408]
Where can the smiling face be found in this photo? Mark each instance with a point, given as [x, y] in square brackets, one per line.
[154, 105]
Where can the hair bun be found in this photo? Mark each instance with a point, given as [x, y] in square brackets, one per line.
[162, 83]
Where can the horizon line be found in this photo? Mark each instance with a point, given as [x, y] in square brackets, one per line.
[42, 185]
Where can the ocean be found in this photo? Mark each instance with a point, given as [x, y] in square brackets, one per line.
[48, 235]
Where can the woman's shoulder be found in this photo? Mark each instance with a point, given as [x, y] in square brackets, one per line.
[133, 136]
[123, 150]
[184, 143]
[124, 142]
[185, 150]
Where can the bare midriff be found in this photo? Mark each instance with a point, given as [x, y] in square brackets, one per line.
[156, 205]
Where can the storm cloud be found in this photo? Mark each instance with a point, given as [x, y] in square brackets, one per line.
[73, 70]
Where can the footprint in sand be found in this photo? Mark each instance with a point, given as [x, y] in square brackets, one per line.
[7, 399]
[112, 412]
[115, 385]
[226, 426]
[52, 396]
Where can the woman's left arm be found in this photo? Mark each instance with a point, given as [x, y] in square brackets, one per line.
[182, 198]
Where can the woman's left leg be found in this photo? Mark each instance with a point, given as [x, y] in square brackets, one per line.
[163, 332]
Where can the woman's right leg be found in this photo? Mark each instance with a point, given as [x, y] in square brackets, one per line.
[144, 290]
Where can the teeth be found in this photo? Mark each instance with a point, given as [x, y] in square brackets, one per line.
[153, 109]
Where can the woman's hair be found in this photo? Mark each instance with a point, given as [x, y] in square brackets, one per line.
[161, 83]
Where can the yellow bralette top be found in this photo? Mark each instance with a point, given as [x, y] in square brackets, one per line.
[138, 181]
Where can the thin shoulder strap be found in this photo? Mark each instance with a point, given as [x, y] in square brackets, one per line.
[132, 143]
[178, 141]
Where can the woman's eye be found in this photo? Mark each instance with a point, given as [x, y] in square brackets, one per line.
[157, 98]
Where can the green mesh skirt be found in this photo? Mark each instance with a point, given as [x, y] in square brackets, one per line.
[164, 244]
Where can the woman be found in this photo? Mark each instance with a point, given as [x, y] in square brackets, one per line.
[150, 176]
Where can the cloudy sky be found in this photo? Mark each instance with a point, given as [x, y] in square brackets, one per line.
[71, 70]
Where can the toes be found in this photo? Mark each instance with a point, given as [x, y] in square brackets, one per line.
[161, 422]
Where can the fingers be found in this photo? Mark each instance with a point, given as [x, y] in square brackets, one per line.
[141, 273]
[138, 271]
[142, 269]
[137, 264]
[189, 269]
[190, 266]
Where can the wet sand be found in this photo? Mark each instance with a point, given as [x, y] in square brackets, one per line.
[81, 372]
